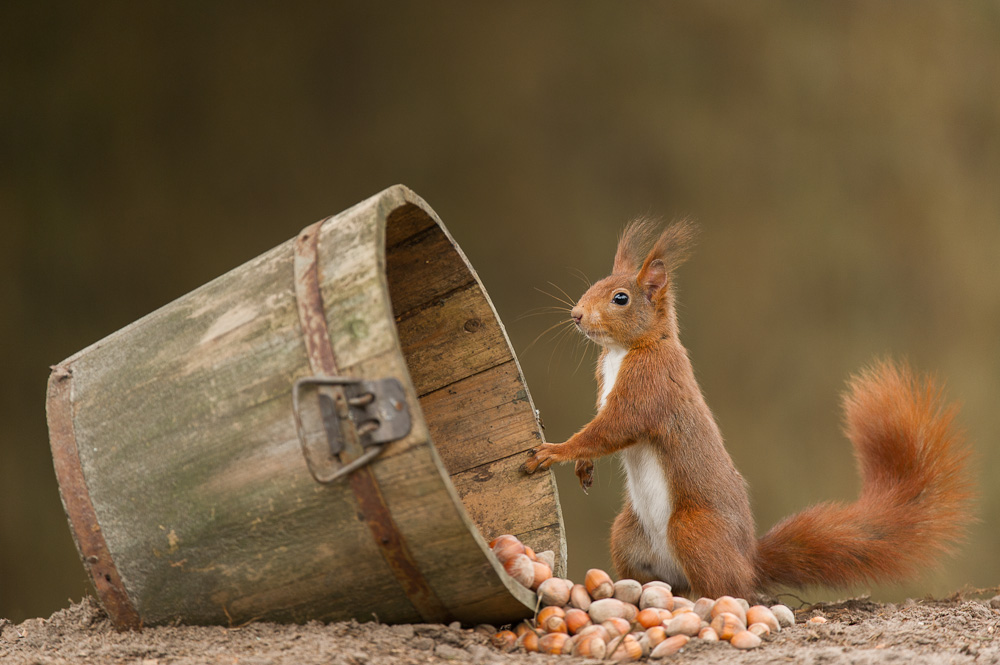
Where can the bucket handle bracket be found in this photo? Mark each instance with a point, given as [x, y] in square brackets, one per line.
[357, 414]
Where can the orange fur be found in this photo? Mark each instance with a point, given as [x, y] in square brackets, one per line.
[686, 517]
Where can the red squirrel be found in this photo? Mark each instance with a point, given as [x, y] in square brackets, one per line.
[686, 517]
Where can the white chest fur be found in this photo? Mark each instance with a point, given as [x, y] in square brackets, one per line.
[645, 480]
[609, 370]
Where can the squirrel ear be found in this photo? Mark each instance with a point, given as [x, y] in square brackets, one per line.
[652, 278]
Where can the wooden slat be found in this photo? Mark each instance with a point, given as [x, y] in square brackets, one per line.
[482, 418]
[452, 339]
[404, 222]
[423, 269]
[500, 498]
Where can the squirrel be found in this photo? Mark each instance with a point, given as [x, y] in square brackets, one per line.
[686, 517]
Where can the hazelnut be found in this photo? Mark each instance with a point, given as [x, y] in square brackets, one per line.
[745, 640]
[577, 620]
[761, 614]
[551, 618]
[599, 584]
[554, 591]
[670, 646]
[616, 627]
[628, 649]
[685, 623]
[552, 643]
[656, 596]
[541, 573]
[708, 634]
[727, 624]
[505, 640]
[607, 608]
[784, 615]
[655, 635]
[579, 598]
[703, 608]
[649, 617]
[731, 605]
[628, 591]
[521, 568]
[590, 646]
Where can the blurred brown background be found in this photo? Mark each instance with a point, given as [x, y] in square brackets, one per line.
[843, 160]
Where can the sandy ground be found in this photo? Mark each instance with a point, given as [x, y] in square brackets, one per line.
[956, 630]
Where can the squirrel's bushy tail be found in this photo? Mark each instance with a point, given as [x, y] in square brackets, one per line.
[915, 495]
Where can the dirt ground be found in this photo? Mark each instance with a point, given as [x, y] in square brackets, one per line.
[962, 629]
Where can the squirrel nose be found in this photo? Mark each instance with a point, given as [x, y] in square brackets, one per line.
[577, 315]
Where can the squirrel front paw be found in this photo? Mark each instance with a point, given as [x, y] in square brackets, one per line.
[585, 473]
[542, 457]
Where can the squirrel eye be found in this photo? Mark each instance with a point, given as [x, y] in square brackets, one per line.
[620, 299]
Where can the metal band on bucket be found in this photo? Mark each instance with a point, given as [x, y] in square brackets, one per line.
[371, 504]
[76, 499]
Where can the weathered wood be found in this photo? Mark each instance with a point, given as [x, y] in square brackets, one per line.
[424, 268]
[189, 447]
[450, 340]
[510, 506]
[481, 418]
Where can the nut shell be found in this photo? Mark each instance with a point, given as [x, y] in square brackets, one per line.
[608, 608]
[628, 649]
[552, 643]
[541, 573]
[655, 635]
[616, 627]
[703, 608]
[681, 603]
[523, 627]
[550, 618]
[708, 634]
[577, 620]
[505, 640]
[745, 640]
[670, 646]
[659, 583]
[521, 568]
[599, 584]
[648, 617]
[599, 630]
[628, 591]
[506, 547]
[554, 591]
[579, 597]
[685, 623]
[590, 646]
[656, 596]
[731, 605]
[761, 614]
[727, 624]
[784, 615]
[548, 557]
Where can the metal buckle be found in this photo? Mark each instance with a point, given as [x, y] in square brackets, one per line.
[359, 415]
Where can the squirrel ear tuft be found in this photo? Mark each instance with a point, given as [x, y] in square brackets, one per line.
[669, 251]
[673, 247]
[633, 244]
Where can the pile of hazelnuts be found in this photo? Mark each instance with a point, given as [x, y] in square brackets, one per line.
[624, 620]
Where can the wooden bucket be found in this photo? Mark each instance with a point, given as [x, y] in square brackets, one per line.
[196, 454]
